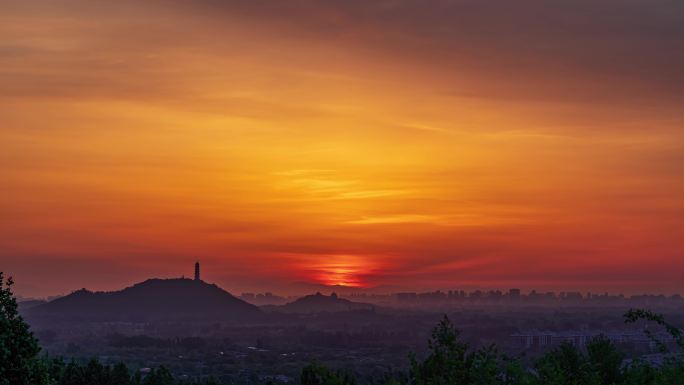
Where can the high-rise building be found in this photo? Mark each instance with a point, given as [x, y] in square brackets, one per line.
[197, 271]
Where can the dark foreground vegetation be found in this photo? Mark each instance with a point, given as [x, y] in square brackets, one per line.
[448, 361]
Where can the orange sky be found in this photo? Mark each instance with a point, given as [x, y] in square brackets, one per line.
[389, 144]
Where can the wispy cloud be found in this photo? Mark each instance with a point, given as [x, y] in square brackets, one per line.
[407, 218]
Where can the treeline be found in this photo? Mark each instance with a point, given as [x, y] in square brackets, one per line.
[57, 372]
[448, 361]
[145, 341]
[451, 362]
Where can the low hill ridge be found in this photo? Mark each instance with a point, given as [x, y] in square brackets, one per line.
[177, 298]
[318, 303]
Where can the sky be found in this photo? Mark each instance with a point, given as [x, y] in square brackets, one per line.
[380, 145]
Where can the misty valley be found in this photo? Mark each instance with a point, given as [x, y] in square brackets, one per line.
[198, 331]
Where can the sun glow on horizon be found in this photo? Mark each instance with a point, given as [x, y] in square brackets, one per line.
[342, 270]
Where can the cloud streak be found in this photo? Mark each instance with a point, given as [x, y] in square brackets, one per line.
[386, 143]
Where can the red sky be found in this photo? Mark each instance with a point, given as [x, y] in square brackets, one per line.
[392, 145]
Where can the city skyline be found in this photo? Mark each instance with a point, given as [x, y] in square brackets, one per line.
[371, 145]
[428, 294]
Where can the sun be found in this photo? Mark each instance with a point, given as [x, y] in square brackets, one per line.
[342, 270]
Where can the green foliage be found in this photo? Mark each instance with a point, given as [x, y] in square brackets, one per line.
[120, 375]
[671, 374]
[515, 374]
[640, 374]
[159, 376]
[446, 363]
[392, 381]
[315, 374]
[485, 367]
[565, 365]
[634, 315]
[96, 373]
[605, 360]
[18, 347]
[450, 362]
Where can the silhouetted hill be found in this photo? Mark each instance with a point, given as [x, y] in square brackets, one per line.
[154, 299]
[318, 303]
[29, 303]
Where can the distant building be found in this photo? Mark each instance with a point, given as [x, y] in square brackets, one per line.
[247, 296]
[406, 297]
[573, 295]
[197, 271]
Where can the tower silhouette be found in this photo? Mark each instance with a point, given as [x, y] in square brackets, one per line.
[197, 271]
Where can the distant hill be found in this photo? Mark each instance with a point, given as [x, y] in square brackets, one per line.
[154, 299]
[318, 303]
[29, 303]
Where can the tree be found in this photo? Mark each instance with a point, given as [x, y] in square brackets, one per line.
[566, 365]
[446, 363]
[605, 360]
[72, 375]
[159, 376]
[484, 367]
[639, 373]
[450, 363]
[18, 347]
[672, 370]
[515, 374]
[120, 375]
[96, 373]
[634, 315]
[315, 374]
[56, 367]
